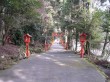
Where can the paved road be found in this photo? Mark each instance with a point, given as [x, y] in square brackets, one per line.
[57, 65]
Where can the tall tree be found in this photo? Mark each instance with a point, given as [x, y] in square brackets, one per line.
[16, 13]
[106, 29]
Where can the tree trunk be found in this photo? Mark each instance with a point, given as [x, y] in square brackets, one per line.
[2, 25]
[69, 42]
[76, 41]
[2, 32]
[4, 37]
[87, 49]
[105, 43]
[3, 40]
[69, 33]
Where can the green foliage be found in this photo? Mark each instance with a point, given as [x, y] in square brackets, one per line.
[34, 30]
[106, 22]
[76, 2]
[96, 45]
[84, 21]
[18, 13]
[17, 36]
[67, 7]
[96, 35]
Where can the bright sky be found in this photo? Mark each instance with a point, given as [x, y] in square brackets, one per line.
[105, 5]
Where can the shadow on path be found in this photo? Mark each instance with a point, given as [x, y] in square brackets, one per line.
[56, 65]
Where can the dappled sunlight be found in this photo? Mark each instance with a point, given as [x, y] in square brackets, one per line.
[12, 75]
[38, 55]
[1, 80]
[56, 47]
[47, 58]
[51, 59]
[75, 60]
[55, 53]
[65, 37]
[54, 60]
[43, 53]
[52, 55]
[43, 57]
[10, 81]
[70, 56]
[44, 67]
[59, 63]
[7, 81]
[18, 73]
[53, 50]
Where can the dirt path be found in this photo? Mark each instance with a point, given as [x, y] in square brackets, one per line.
[57, 65]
